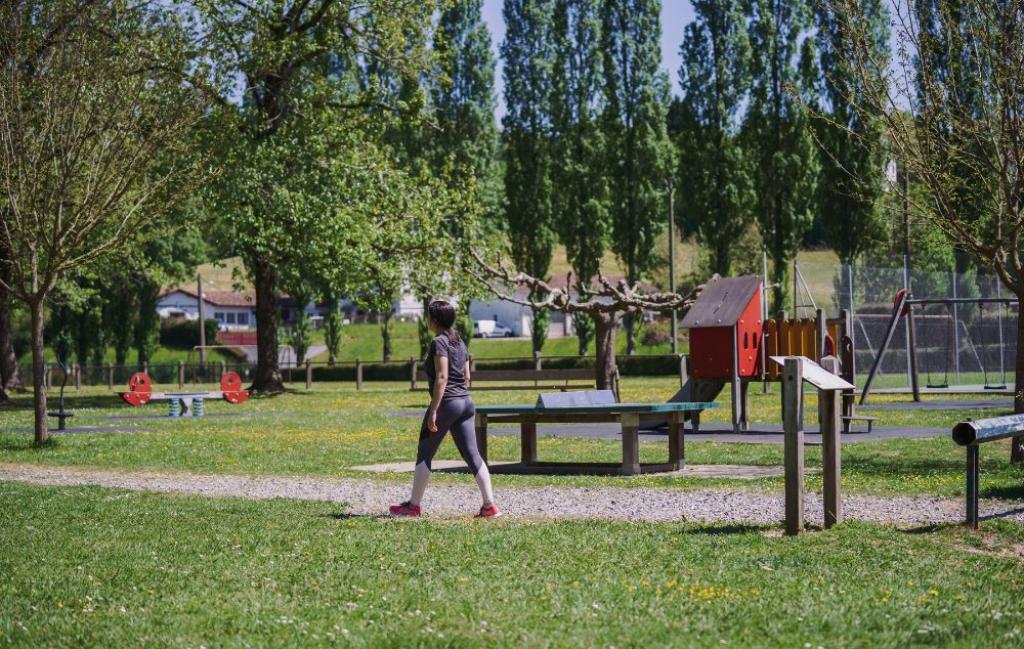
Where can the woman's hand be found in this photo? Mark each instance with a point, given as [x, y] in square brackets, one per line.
[432, 421]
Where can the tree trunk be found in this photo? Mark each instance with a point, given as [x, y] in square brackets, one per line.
[38, 371]
[539, 329]
[9, 378]
[780, 286]
[267, 377]
[629, 322]
[604, 335]
[385, 334]
[1018, 391]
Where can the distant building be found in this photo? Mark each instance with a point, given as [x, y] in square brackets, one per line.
[231, 309]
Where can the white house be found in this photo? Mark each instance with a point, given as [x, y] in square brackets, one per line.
[231, 309]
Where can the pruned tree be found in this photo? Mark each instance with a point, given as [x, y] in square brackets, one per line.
[953, 142]
[10, 379]
[606, 305]
[94, 120]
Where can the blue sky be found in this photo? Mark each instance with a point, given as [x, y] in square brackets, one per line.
[675, 14]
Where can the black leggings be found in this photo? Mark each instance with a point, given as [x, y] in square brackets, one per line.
[456, 415]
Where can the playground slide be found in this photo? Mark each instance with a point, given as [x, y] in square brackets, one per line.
[692, 390]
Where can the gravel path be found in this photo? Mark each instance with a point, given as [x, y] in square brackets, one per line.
[372, 497]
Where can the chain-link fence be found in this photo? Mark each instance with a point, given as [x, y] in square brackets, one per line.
[964, 331]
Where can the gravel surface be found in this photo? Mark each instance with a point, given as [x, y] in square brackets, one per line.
[372, 497]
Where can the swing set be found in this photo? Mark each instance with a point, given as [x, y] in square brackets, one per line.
[904, 302]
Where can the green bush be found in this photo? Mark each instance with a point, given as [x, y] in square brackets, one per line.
[184, 334]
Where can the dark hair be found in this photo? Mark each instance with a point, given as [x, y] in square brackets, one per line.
[443, 314]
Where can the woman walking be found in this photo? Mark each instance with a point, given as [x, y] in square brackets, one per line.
[451, 409]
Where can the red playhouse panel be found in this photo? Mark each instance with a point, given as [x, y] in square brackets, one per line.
[711, 348]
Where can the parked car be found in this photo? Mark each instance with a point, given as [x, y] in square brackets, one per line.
[490, 329]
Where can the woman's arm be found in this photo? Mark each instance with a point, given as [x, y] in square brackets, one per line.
[440, 383]
[465, 373]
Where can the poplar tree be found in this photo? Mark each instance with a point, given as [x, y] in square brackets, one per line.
[463, 100]
[715, 194]
[852, 177]
[780, 144]
[634, 125]
[580, 204]
[528, 56]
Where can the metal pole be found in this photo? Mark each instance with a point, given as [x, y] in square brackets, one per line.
[911, 340]
[972, 487]
[672, 260]
[956, 329]
[202, 320]
[999, 321]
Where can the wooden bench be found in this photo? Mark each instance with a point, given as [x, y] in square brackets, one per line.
[849, 419]
[564, 380]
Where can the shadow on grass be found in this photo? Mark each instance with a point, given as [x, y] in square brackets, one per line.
[342, 516]
[709, 529]
[1006, 492]
[71, 401]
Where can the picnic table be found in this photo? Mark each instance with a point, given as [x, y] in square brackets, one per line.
[629, 416]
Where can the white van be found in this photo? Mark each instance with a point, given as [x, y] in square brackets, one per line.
[490, 329]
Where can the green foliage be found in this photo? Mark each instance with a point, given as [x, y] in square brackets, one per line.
[528, 55]
[852, 166]
[332, 329]
[634, 123]
[715, 182]
[776, 131]
[578, 167]
[184, 334]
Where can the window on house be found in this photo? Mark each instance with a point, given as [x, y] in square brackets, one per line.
[243, 318]
[231, 318]
[219, 316]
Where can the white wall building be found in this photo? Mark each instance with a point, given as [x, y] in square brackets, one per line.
[231, 309]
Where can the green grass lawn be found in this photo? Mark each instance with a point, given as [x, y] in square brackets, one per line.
[331, 429]
[97, 567]
[87, 566]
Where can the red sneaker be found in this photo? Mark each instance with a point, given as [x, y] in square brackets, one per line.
[406, 509]
[489, 511]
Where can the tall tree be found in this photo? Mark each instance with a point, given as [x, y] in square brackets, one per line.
[776, 130]
[715, 185]
[634, 123]
[465, 145]
[463, 101]
[528, 54]
[935, 136]
[580, 204]
[853, 159]
[291, 113]
[97, 87]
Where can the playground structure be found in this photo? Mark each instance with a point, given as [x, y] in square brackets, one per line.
[956, 337]
[140, 391]
[731, 339]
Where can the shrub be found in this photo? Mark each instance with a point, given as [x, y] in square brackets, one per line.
[184, 334]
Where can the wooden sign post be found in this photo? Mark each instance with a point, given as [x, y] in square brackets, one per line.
[796, 370]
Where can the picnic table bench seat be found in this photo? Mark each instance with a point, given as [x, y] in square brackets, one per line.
[630, 416]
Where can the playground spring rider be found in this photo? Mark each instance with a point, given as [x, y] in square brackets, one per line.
[140, 391]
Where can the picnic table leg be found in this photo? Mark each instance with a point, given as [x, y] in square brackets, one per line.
[630, 443]
[528, 441]
[481, 435]
[676, 448]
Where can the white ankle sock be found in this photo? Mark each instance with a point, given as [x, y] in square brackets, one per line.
[419, 483]
[483, 480]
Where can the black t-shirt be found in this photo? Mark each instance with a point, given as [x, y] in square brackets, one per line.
[455, 352]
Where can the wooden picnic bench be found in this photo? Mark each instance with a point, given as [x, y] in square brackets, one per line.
[629, 416]
[528, 379]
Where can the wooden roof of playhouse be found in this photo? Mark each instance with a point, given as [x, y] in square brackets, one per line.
[722, 302]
